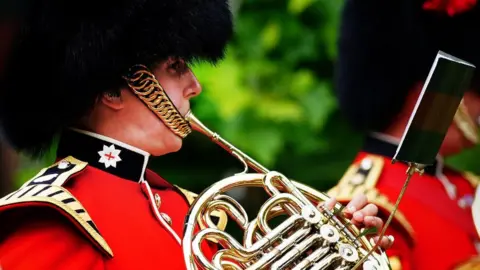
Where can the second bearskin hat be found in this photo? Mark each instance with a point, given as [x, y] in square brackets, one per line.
[386, 47]
[66, 54]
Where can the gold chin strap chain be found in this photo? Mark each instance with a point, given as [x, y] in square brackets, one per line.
[144, 84]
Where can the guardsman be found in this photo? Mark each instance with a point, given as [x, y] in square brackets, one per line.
[386, 49]
[111, 81]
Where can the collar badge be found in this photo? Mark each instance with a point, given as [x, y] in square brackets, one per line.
[109, 156]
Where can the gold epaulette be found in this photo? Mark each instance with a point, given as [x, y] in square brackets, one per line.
[395, 263]
[45, 189]
[472, 264]
[222, 216]
[362, 177]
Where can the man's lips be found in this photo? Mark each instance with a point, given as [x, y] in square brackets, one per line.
[183, 112]
[184, 109]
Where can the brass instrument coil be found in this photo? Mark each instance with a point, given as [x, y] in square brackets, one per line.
[309, 238]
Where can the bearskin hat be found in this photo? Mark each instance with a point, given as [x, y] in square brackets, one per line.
[386, 47]
[68, 53]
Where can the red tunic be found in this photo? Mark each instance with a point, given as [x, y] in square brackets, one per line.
[38, 236]
[431, 230]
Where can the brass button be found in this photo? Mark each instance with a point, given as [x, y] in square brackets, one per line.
[358, 179]
[366, 164]
[166, 218]
[158, 201]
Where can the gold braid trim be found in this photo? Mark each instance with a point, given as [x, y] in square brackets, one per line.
[144, 84]
[46, 189]
[473, 179]
[395, 263]
[472, 264]
[465, 123]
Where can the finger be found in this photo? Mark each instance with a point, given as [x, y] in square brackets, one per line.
[376, 222]
[386, 243]
[359, 216]
[370, 210]
[358, 202]
[329, 204]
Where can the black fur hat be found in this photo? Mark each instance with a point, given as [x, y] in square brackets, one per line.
[68, 53]
[385, 47]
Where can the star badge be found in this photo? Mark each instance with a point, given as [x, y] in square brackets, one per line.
[109, 156]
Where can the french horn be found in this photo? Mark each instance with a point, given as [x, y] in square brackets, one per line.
[309, 237]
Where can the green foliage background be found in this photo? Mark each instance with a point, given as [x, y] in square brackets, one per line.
[272, 98]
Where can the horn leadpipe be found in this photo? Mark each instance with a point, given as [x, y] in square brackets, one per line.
[198, 126]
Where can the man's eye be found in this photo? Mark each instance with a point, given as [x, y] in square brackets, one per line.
[175, 65]
[179, 66]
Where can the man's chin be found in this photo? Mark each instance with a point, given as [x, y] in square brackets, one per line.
[175, 145]
[172, 147]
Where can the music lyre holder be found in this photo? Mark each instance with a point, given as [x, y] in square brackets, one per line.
[447, 81]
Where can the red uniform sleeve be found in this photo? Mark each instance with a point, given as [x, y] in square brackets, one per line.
[48, 244]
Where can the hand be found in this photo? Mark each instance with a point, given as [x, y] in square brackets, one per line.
[364, 215]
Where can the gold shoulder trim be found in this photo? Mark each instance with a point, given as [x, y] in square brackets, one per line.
[359, 177]
[395, 263]
[60, 199]
[188, 194]
[221, 215]
[46, 189]
[471, 264]
[472, 178]
[362, 177]
[58, 173]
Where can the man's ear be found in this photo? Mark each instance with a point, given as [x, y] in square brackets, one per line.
[113, 100]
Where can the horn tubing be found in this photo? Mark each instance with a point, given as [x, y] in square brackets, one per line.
[249, 162]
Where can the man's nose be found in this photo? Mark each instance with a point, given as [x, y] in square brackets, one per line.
[194, 88]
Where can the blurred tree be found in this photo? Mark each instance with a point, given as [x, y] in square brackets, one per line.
[272, 96]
